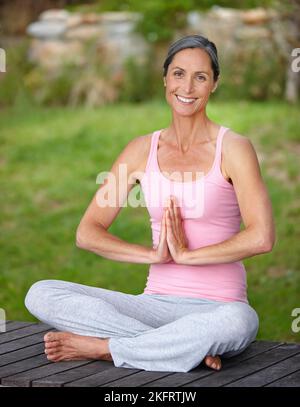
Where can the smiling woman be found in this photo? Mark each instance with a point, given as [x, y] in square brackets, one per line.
[191, 86]
[194, 306]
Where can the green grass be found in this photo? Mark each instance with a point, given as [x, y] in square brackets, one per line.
[49, 162]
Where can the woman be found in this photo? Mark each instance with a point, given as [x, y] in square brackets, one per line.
[194, 307]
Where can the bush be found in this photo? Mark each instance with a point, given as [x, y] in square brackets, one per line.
[253, 72]
[140, 81]
[50, 89]
[12, 81]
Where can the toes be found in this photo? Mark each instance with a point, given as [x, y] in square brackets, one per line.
[51, 355]
[61, 357]
[52, 348]
[51, 345]
[48, 336]
[217, 364]
[57, 337]
[53, 358]
[209, 361]
[213, 362]
[52, 351]
[51, 336]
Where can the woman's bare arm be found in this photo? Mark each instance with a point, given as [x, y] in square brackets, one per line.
[92, 234]
[258, 237]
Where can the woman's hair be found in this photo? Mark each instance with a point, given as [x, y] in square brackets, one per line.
[194, 41]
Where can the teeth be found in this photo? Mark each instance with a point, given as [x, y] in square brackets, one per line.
[185, 100]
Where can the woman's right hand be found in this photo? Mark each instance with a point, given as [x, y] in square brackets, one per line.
[161, 253]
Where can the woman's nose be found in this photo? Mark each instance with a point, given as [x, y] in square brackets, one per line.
[188, 85]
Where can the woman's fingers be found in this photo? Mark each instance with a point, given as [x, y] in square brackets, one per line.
[163, 226]
[168, 219]
[177, 216]
[165, 223]
[172, 216]
[176, 223]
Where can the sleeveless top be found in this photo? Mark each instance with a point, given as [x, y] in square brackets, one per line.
[210, 213]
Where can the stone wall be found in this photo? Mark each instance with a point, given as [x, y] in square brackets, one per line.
[59, 37]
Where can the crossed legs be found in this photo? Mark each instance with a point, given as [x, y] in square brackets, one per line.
[137, 331]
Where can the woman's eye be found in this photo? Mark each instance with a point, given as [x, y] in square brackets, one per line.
[199, 77]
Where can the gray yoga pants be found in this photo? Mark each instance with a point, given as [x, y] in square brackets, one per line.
[147, 331]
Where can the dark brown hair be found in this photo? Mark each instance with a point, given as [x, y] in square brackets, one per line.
[194, 41]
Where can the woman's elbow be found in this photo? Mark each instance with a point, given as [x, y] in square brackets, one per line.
[81, 240]
[267, 247]
[267, 244]
[88, 235]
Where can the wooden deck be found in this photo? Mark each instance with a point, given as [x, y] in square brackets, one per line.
[23, 363]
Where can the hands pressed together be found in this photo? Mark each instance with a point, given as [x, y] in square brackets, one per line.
[173, 243]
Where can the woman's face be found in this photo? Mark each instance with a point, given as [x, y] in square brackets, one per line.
[190, 76]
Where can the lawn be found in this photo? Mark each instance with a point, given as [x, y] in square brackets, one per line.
[49, 162]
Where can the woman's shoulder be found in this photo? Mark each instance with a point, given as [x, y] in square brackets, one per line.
[137, 150]
[236, 142]
[237, 150]
[140, 145]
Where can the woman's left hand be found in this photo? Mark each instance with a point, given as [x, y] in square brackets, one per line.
[176, 238]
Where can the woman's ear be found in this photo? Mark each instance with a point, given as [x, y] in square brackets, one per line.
[215, 86]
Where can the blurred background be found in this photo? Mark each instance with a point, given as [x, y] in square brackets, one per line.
[80, 79]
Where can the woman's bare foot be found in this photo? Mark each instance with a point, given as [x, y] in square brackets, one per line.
[213, 361]
[68, 346]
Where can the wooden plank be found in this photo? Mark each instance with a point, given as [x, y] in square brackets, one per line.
[180, 379]
[22, 332]
[135, 377]
[102, 378]
[21, 354]
[270, 374]
[65, 377]
[23, 342]
[140, 379]
[234, 372]
[36, 368]
[13, 325]
[22, 366]
[24, 363]
[292, 380]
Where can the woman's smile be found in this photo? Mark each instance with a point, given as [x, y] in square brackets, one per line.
[185, 101]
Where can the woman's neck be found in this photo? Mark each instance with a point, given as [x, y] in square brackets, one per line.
[184, 132]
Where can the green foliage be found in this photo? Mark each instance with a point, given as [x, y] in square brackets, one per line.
[70, 83]
[50, 89]
[141, 81]
[12, 86]
[136, 82]
[161, 19]
[253, 72]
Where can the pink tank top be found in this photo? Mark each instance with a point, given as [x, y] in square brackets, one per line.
[211, 214]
